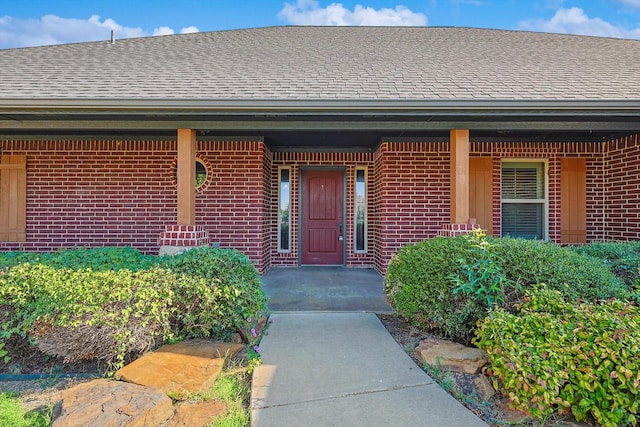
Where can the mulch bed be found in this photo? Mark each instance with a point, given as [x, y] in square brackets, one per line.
[27, 359]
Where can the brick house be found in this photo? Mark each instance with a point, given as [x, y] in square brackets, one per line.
[329, 145]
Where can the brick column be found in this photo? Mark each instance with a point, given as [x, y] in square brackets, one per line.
[453, 230]
[179, 238]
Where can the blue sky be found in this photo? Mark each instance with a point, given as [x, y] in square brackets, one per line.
[41, 22]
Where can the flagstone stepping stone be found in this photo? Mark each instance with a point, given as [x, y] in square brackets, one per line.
[179, 369]
[109, 403]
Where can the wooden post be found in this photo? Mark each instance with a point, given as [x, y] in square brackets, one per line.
[186, 176]
[459, 140]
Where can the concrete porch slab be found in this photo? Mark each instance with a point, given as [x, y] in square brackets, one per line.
[315, 288]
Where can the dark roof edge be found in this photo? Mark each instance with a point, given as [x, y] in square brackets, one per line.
[58, 105]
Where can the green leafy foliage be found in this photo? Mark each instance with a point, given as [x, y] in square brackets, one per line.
[622, 257]
[576, 276]
[77, 307]
[101, 258]
[235, 292]
[554, 356]
[113, 313]
[446, 285]
[418, 286]
[483, 278]
[12, 413]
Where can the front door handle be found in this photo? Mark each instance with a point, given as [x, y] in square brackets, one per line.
[340, 237]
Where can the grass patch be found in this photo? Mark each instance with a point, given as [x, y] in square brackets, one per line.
[12, 414]
[233, 388]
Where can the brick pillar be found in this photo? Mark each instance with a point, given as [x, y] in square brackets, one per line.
[453, 230]
[179, 238]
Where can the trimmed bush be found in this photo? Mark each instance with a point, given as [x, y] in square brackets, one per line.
[418, 285]
[115, 313]
[84, 314]
[102, 258]
[554, 356]
[622, 257]
[576, 276]
[446, 285]
[235, 296]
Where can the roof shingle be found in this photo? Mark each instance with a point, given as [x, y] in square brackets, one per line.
[330, 63]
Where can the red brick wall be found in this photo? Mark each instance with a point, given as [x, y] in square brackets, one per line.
[297, 160]
[113, 192]
[622, 214]
[413, 198]
[374, 204]
[269, 212]
[117, 193]
[232, 208]
[96, 193]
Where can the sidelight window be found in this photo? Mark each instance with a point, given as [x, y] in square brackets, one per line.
[284, 209]
[360, 214]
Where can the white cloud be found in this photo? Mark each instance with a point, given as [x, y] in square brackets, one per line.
[52, 29]
[575, 21]
[635, 4]
[309, 12]
[163, 31]
[188, 30]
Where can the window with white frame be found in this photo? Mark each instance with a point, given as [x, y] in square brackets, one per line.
[524, 203]
[360, 211]
[284, 209]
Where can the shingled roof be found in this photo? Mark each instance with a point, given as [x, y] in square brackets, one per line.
[331, 64]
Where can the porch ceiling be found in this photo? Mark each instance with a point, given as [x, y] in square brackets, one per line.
[333, 129]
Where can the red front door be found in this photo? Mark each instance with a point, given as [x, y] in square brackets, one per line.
[322, 217]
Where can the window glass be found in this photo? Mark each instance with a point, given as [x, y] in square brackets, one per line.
[201, 173]
[360, 215]
[523, 200]
[284, 210]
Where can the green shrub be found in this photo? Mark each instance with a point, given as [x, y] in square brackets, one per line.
[554, 356]
[481, 275]
[234, 293]
[113, 313]
[100, 258]
[83, 314]
[446, 285]
[13, 414]
[622, 257]
[418, 285]
[576, 276]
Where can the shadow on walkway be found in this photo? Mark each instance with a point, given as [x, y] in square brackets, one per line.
[325, 289]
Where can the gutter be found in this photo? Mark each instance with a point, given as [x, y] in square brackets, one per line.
[62, 105]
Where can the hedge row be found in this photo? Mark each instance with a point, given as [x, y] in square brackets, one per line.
[422, 279]
[115, 303]
[622, 257]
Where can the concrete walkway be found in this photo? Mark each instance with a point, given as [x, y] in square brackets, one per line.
[344, 369]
